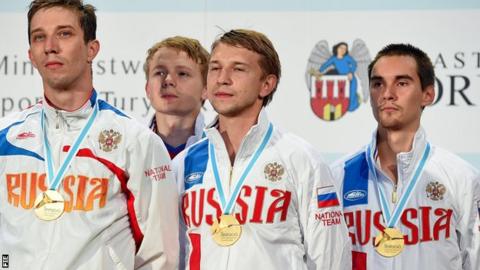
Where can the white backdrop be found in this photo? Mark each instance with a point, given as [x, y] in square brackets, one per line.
[448, 34]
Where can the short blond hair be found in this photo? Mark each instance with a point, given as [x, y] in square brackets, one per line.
[190, 46]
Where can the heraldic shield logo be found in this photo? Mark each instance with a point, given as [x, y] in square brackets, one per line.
[338, 78]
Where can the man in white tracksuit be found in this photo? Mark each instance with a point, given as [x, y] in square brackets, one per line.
[253, 196]
[408, 204]
[82, 185]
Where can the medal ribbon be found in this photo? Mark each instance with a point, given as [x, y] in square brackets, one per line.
[227, 206]
[390, 219]
[54, 180]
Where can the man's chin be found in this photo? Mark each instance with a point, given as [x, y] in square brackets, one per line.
[58, 83]
[390, 124]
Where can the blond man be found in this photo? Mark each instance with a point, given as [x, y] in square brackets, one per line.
[176, 71]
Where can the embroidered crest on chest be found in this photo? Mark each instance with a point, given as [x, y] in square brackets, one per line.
[274, 171]
[435, 191]
[109, 140]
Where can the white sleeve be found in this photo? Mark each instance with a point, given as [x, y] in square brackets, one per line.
[326, 235]
[338, 173]
[469, 225]
[178, 166]
[152, 184]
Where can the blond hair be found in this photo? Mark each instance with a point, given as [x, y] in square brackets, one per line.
[190, 46]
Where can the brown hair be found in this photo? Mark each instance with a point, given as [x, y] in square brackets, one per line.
[425, 68]
[259, 43]
[86, 14]
[190, 46]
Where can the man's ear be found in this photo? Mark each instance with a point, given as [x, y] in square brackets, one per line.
[93, 48]
[268, 85]
[428, 95]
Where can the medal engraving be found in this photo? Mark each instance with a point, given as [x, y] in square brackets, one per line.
[49, 205]
[227, 231]
[389, 243]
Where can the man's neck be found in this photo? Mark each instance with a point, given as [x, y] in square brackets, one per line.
[70, 99]
[175, 130]
[234, 129]
[389, 144]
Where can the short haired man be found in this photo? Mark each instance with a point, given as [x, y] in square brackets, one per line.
[253, 196]
[82, 185]
[176, 72]
[408, 204]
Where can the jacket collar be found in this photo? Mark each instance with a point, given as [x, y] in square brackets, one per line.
[406, 161]
[198, 129]
[249, 143]
[57, 117]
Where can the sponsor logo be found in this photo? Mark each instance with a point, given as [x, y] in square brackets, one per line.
[25, 135]
[337, 78]
[191, 178]
[274, 171]
[354, 195]
[435, 191]
[109, 140]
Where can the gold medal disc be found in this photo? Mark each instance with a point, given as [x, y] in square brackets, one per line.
[49, 205]
[389, 243]
[227, 231]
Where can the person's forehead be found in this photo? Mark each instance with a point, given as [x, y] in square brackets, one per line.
[395, 64]
[234, 53]
[56, 15]
[173, 56]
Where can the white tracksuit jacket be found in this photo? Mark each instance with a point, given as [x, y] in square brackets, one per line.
[441, 220]
[121, 208]
[283, 225]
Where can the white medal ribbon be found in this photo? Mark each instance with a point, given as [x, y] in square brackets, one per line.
[228, 206]
[54, 180]
[391, 219]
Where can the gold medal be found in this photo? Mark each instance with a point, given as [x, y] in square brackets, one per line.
[389, 243]
[226, 232]
[49, 205]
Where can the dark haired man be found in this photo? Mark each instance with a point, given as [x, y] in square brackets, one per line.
[408, 204]
[82, 185]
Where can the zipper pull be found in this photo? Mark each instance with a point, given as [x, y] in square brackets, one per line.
[230, 177]
[394, 194]
[57, 122]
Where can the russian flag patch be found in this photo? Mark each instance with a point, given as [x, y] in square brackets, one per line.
[327, 197]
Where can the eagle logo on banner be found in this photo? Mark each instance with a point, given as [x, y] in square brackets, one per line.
[338, 78]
